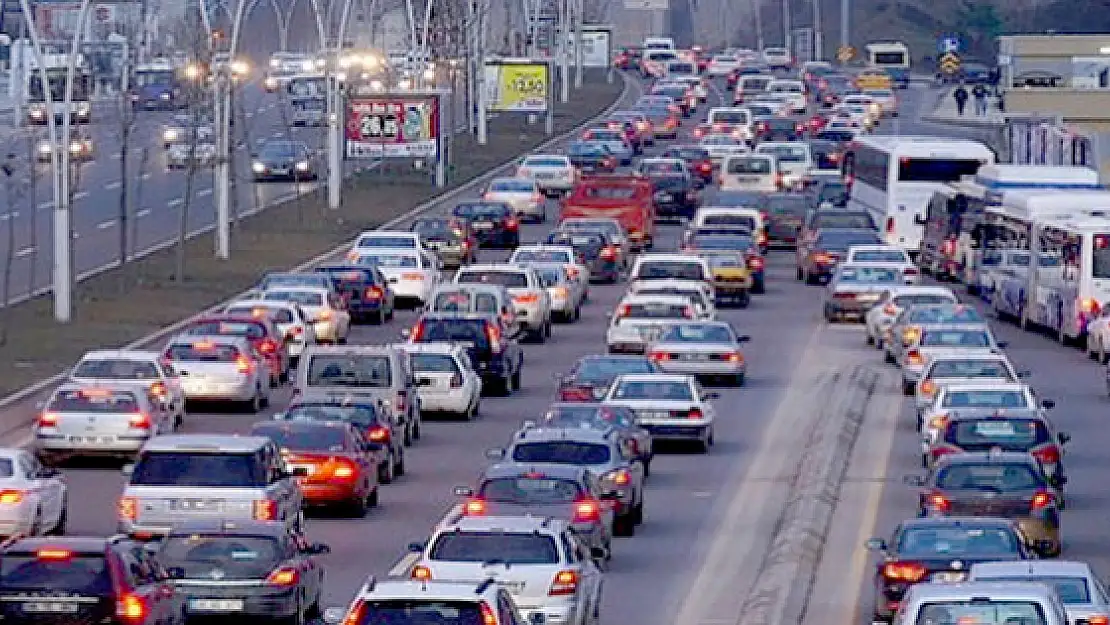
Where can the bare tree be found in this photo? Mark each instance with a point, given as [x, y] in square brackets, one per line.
[198, 100]
[127, 112]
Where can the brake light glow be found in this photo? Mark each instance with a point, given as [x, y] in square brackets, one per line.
[904, 571]
[53, 554]
[11, 497]
[488, 617]
[267, 346]
[474, 507]
[942, 450]
[343, 469]
[526, 298]
[1089, 306]
[243, 365]
[609, 253]
[284, 577]
[48, 420]
[140, 420]
[928, 387]
[890, 310]
[423, 573]
[128, 508]
[512, 224]
[909, 335]
[561, 292]
[659, 356]
[493, 333]
[755, 263]
[565, 583]
[1042, 499]
[586, 511]
[915, 358]
[130, 608]
[821, 258]
[938, 502]
[695, 414]
[376, 292]
[158, 389]
[265, 510]
[621, 477]
[938, 423]
[378, 434]
[735, 357]
[1049, 454]
[890, 225]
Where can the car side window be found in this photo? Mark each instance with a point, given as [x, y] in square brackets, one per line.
[140, 568]
[28, 464]
[570, 548]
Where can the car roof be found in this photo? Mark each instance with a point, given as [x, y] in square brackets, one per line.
[519, 469]
[980, 457]
[1010, 590]
[542, 433]
[232, 528]
[215, 443]
[928, 522]
[81, 544]
[920, 290]
[976, 414]
[507, 524]
[655, 377]
[674, 300]
[506, 267]
[218, 339]
[121, 354]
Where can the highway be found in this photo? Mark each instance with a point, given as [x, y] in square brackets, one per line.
[158, 194]
[708, 518]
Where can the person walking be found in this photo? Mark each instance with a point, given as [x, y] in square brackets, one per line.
[980, 92]
[960, 94]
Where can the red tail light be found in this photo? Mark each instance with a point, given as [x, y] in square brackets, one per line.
[659, 356]
[705, 167]
[565, 583]
[609, 253]
[938, 502]
[284, 577]
[376, 292]
[512, 224]
[823, 259]
[587, 511]
[423, 574]
[267, 346]
[799, 127]
[948, 248]
[11, 497]
[915, 358]
[890, 310]
[265, 510]
[910, 271]
[342, 469]
[48, 420]
[609, 162]
[936, 453]
[140, 420]
[158, 389]
[488, 617]
[243, 365]
[128, 508]
[131, 609]
[1042, 499]
[576, 393]
[1049, 454]
[755, 263]
[890, 225]
[928, 387]
[378, 434]
[695, 413]
[417, 331]
[474, 507]
[904, 572]
[624, 310]
[493, 334]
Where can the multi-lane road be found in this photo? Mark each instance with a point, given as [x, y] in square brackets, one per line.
[698, 507]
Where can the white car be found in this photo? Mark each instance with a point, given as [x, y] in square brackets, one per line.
[639, 319]
[955, 394]
[523, 194]
[553, 173]
[562, 254]
[778, 58]
[567, 294]
[879, 320]
[412, 274]
[530, 299]
[1081, 591]
[184, 155]
[669, 406]
[700, 293]
[751, 172]
[671, 266]
[445, 378]
[221, 368]
[886, 254]
[793, 158]
[794, 91]
[326, 312]
[33, 498]
[886, 99]
[874, 107]
[701, 89]
[385, 239]
[289, 319]
[958, 367]
[706, 349]
[969, 338]
[854, 115]
[721, 146]
[722, 65]
[132, 366]
[428, 600]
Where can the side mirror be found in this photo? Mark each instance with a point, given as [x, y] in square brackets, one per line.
[743, 338]
[875, 544]
[913, 480]
[463, 491]
[1024, 374]
[416, 547]
[495, 454]
[316, 549]
[299, 472]
[1048, 404]
[127, 470]
[175, 572]
[334, 616]
[1063, 438]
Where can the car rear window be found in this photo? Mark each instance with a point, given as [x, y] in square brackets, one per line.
[652, 310]
[304, 298]
[786, 153]
[202, 351]
[610, 193]
[361, 416]
[542, 256]
[453, 329]
[842, 220]
[561, 452]
[389, 261]
[507, 279]
[94, 400]
[304, 437]
[729, 220]
[905, 301]
[482, 210]
[277, 315]
[419, 612]
[461, 301]
[512, 186]
[609, 368]
[955, 338]
[529, 490]
[990, 612]
[198, 469]
[868, 275]
[995, 476]
[938, 541]
[219, 556]
[659, 391]
[56, 570]
[434, 363]
[249, 329]
[116, 369]
[879, 256]
[1009, 434]
[545, 162]
[354, 371]
[947, 314]
[507, 548]
[984, 399]
[1072, 590]
[951, 368]
[747, 165]
[277, 281]
[673, 270]
[844, 240]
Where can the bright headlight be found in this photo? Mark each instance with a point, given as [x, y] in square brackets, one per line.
[302, 166]
[76, 146]
[274, 63]
[82, 109]
[258, 168]
[170, 135]
[44, 148]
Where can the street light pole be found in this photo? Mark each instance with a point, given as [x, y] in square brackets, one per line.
[478, 39]
[845, 21]
[335, 117]
[757, 9]
[818, 33]
[579, 10]
[786, 27]
[563, 52]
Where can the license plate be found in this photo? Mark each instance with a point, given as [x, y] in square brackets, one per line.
[482, 225]
[698, 357]
[655, 414]
[949, 577]
[279, 172]
[92, 439]
[196, 504]
[40, 607]
[545, 176]
[216, 605]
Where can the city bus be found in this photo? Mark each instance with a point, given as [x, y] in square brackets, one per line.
[892, 57]
[157, 85]
[308, 100]
[894, 177]
[57, 67]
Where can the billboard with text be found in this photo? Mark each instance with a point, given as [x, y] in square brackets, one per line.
[392, 126]
[517, 87]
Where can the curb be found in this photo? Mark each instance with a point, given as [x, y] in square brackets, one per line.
[969, 122]
[431, 203]
[789, 568]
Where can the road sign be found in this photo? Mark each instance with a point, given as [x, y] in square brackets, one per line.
[949, 44]
[845, 53]
[647, 5]
[950, 63]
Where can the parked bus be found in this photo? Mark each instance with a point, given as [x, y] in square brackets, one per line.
[57, 67]
[158, 85]
[893, 57]
[894, 177]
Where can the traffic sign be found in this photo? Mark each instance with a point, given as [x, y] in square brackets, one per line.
[950, 63]
[845, 53]
[647, 5]
[949, 44]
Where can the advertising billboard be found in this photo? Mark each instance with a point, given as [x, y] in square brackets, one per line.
[596, 50]
[392, 126]
[517, 87]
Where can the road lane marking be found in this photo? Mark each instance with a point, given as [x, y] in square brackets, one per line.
[27, 251]
[143, 213]
[204, 192]
[80, 195]
[46, 206]
[104, 225]
[175, 202]
[113, 185]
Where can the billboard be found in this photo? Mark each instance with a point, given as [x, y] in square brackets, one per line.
[596, 51]
[517, 86]
[392, 126]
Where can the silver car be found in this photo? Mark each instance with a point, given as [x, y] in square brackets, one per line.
[969, 338]
[856, 288]
[567, 295]
[221, 368]
[706, 349]
[906, 329]
[1076, 584]
[113, 419]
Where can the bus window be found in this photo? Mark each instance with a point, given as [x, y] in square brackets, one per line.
[934, 170]
[1100, 256]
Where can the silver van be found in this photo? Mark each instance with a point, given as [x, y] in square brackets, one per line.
[489, 299]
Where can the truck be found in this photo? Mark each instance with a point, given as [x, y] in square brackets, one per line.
[158, 85]
[892, 57]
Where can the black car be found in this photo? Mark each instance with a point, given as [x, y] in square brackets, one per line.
[601, 256]
[832, 191]
[592, 157]
[451, 238]
[785, 213]
[832, 89]
[66, 579]
[285, 160]
[494, 223]
[827, 155]
[365, 288]
[496, 356]
[368, 414]
[696, 158]
[590, 377]
[776, 128]
[676, 193]
[841, 137]
[274, 571]
[939, 550]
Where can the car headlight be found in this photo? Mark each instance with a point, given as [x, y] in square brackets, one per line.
[164, 96]
[258, 168]
[75, 147]
[83, 109]
[302, 166]
[37, 112]
[271, 82]
[44, 148]
[169, 135]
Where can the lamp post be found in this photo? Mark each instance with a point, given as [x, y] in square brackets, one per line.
[335, 116]
[579, 17]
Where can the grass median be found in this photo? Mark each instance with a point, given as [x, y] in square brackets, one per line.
[123, 305]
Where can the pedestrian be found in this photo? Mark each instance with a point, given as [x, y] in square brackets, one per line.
[960, 94]
[980, 92]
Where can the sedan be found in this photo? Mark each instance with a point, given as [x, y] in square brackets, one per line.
[664, 121]
[554, 173]
[522, 194]
[778, 128]
[1080, 590]
[706, 349]
[697, 159]
[567, 294]
[285, 160]
[720, 146]
[855, 288]
[452, 239]
[34, 496]
[588, 414]
[590, 377]
[600, 256]
[494, 223]
[670, 406]
[592, 157]
[615, 141]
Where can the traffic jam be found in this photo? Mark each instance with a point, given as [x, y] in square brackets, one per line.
[218, 526]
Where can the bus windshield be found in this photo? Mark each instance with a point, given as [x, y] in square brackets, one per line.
[154, 78]
[58, 87]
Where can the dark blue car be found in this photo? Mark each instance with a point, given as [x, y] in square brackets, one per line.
[365, 289]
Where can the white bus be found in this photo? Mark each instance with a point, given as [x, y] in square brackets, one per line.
[892, 57]
[894, 177]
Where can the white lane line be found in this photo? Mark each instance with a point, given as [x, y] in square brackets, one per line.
[145, 176]
[113, 185]
[175, 202]
[27, 251]
[204, 192]
[46, 206]
[261, 109]
[104, 225]
[143, 213]
[80, 195]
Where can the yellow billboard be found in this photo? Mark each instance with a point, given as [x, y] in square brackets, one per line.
[517, 87]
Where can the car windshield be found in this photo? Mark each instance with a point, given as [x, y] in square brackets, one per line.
[280, 149]
[868, 275]
[275, 314]
[507, 279]
[356, 371]
[697, 333]
[502, 547]
[969, 368]
[361, 416]
[199, 469]
[1072, 590]
[957, 542]
[463, 301]
[533, 489]
[991, 612]
[116, 369]
[587, 149]
[222, 556]
[722, 242]
[561, 452]
[280, 280]
[905, 301]
[730, 117]
[452, 329]
[551, 276]
[675, 270]
[94, 400]
[786, 153]
[989, 476]
[726, 261]
[303, 437]
[249, 329]
[390, 261]
[512, 185]
[843, 240]
[542, 161]
[80, 574]
[945, 314]
[879, 256]
[304, 298]
[605, 369]
[844, 220]
[485, 211]
[1006, 433]
[750, 165]
[955, 338]
[525, 255]
[421, 611]
[659, 391]
[436, 227]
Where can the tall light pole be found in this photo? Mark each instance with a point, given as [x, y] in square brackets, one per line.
[787, 27]
[335, 115]
[563, 52]
[818, 33]
[579, 18]
[60, 157]
[757, 9]
[845, 21]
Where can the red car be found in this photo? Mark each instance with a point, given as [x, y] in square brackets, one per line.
[628, 199]
[259, 330]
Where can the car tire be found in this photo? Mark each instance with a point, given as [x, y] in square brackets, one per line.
[624, 526]
[739, 379]
[759, 287]
[638, 511]
[515, 378]
[254, 404]
[799, 275]
[908, 388]
[59, 528]
[399, 466]
[387, 471]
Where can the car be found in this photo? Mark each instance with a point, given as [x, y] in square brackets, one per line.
[595, 415]
[615, 141]
[886, 254]
[567, 294]
[945, 368]
[886, 99]
[710, 350]
[605, 452]
[997, 265]
[721, 146]
[855, 288]
[488, 299]
[530, 299]
[794, 90]
[182, 477]
[373, 240]
[701, 294]
[287, 581]
[592, 157]
[294, 279]
[706, 242]
[495, 356]
[778, 58]
[673, 407]
[748, 86]
[697, 159]
[972, 338]
[792, 158]
[290, 319]
[285, 160]
[35, 498]
[675, 192]
[880, 317]
[785, 213]
[80, 146]
[680, 94]
[664, 120]
[960, 603]
[819, 254]
[749, 217]
[413, 275]
[996, 483]
[906, 328]
[566, 492]
[554, 173]
[367, 413]
[826, 190]
[644, 131]
[446, 380]
[143, 368]
[636, 136]
[609, 227]
[221, 368]
[670, 266]
[939, 550]
[261, 331]
[494, 223]
[337, 467]
[563, 255]
[523, 194]
[69, 579]
[596, 251]
[735, 121]
[451, 238]
[721, 65]
[776, 128]
[1084, 596]
[589, 377]
[638, 319]
[733, 280]
[425, 600]
[750, 172]
[828, 156]
[873, 108]
[695, 83]
[365, 291]
[188, 129]
[326, 311]
[542, 563]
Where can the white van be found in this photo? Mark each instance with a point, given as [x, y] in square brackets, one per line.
[750, 86]
[658, 43]
[778, 58]
[795, 90]
[750, 172]
[795, 160]
[709, 216]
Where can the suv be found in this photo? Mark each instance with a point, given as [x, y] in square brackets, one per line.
[85, 580]
[489, 299]
[429, 601]
[495, 356]
[181, 477]
[604, 452]
[541, 562]
[530, 299]
[380, 371]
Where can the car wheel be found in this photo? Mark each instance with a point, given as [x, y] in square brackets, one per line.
[399, 467]
[59, 528]
[799, 275]
[908, 388]
[254, 404]
[358, 507]
[638, 511]
[372, 500]
[387, 470]
[516, 377]
[624, 526]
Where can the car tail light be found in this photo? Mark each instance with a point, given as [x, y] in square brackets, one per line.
[779, 180]
[1042, 499]
[493, 333]
[48, 420]
[412, 275]
[688, 312]
[735, 357]
[140, 420]
[158, 389]
[565, 583]
[928, 388]
[488, 617]
[128, 508]
[1089, 306]
[699, 132]
[890, 225]
[621, 477]
[823, 259]
[267, 346]
[948, 248]
[904, 572]
[915, 358]
[938, 423]
[705, 167]
[587, 511]
[576, 394]
[890, 310]
[11, 497]
[378, 434]
[423, 574]
[851, 296]
[400, 404]
[376, 292]
[755, 263]
[284, 577]
[526, 298]
[265, 510]
[1049, 454]
[609, 253]
[938, 502]
[512, 224]
[343, 469]
[1098, 619]
[761, 238]
[694, 413]
[475, 507]
[799, 127]
[909, 335]
[243, 365]
[131, 608]
[659, 356]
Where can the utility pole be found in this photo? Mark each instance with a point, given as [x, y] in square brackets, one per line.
[563, 51]
[845, 17]
[579, 18]
[757, 9]
[477, 37]
[222, 105]
[336, 112]
[818, 33]
[787, 27]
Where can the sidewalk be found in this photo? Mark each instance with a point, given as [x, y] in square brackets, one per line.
[944, 112]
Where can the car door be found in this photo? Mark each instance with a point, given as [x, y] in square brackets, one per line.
[175, 391]
[47, 482]
[281, 486]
